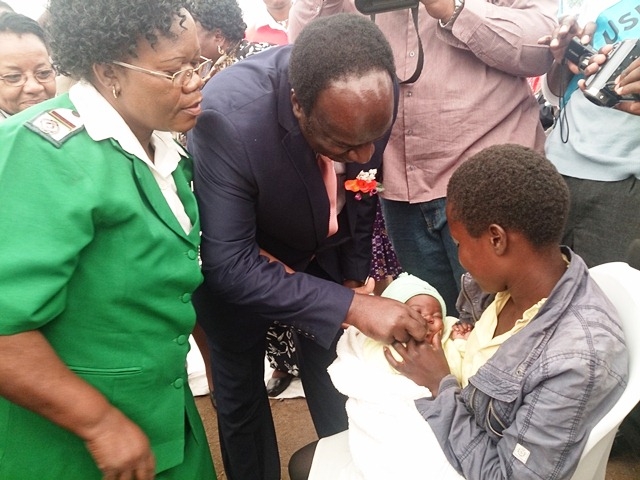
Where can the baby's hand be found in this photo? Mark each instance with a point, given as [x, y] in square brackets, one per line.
[461, 330]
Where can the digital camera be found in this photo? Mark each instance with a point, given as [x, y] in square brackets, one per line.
[370, 7]
[599, 88]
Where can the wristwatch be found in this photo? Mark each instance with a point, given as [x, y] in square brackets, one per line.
[457, 8]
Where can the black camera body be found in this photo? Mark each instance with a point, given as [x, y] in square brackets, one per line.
[579, 53]
[599, 87]
[371, 7]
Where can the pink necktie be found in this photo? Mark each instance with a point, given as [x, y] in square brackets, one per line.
[331, 184]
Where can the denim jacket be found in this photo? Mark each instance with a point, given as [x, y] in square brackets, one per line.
[472, 301]
[527, 413]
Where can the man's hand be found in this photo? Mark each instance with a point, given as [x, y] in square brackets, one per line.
[561, 36]
[385, 320]
[629, 83]
[439, 9]
[595, 61]
[561, 71]
[120, 449]
[422, 362]
[365, 288]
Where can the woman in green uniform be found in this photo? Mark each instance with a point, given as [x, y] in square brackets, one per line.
[99, 234]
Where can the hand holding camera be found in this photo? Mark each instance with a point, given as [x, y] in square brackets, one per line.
[600, 85]
[439, 9]
[559, 39]
[628, 83]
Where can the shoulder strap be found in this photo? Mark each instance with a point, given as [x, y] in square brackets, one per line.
[420, 63]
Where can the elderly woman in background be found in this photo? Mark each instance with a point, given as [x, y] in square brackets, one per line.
[26, 74]
[100, 235]
[221, 32]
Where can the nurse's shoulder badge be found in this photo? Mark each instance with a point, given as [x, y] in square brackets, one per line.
[57, 125]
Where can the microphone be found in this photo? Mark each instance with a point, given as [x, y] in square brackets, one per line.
[633, 254]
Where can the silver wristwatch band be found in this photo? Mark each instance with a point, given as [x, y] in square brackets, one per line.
[458, 5]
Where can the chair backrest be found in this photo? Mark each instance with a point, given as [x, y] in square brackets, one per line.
[621, 284]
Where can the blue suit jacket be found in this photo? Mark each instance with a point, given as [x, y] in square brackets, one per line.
[259, 186]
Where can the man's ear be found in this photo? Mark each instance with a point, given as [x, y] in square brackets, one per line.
[498, 238]
[297, 108]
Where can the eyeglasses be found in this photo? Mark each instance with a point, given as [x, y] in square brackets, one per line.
[181, 77]
[19, 79]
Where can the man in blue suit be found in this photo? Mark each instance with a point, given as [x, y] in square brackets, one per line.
[267, 125]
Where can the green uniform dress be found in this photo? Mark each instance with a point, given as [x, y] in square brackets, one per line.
[92, 256]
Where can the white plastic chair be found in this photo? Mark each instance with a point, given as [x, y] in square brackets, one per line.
[621, 284]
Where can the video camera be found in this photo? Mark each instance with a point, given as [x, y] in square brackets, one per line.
[371, 7]
[600, 86]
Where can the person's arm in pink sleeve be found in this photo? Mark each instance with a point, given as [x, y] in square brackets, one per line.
[303, 11]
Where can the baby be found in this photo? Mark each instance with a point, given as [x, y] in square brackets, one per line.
[381, 399]
[424, 298]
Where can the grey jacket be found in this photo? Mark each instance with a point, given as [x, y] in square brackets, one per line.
[527, 413]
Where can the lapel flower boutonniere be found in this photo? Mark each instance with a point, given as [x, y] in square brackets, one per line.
[364, 183]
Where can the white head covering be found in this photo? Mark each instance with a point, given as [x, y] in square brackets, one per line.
[407, 286]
